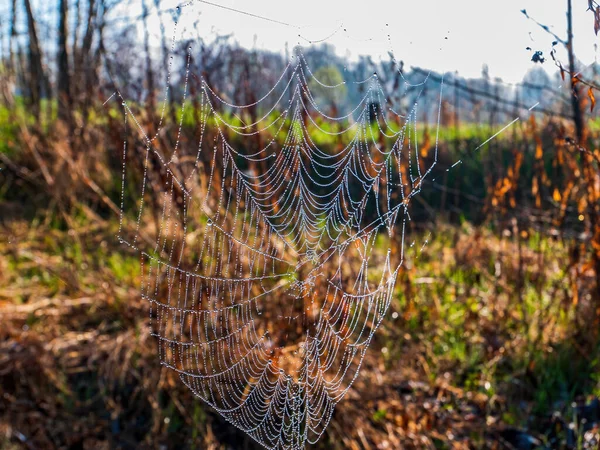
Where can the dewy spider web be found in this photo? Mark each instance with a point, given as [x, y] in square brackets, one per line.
[273, 261]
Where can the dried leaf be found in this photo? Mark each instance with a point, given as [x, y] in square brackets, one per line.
[556, 195]
[575, 293]
[560, 157]
[539, 151]
[592, 99]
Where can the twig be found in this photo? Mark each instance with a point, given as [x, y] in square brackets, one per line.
[48, 302]
[545, 28]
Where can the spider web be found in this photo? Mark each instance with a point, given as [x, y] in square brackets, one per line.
[268, 261]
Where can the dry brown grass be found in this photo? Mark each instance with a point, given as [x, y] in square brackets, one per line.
[79, 369]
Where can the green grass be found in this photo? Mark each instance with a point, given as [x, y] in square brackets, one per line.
[480, 334]
[126, 269]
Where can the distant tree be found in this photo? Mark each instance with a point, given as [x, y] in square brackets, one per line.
[38, 83]
[149, 69]
[534, 83]
[13, 35]
[64, 79]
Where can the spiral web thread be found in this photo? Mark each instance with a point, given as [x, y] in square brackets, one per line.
[268, 263]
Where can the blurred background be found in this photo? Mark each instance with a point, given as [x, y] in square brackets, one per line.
[493, 337]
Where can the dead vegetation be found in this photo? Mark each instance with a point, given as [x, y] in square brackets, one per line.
[463, 361]
[492, 340]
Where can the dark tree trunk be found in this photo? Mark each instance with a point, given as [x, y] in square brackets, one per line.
[74, 88]
[149, 71]
[575, 91]
[64, 79]
[12, 36]
[37, 82]
[88, 66]
[89, 30]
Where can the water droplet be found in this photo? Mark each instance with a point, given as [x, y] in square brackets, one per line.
[209, 223]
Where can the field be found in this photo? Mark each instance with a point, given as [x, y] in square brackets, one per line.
[132, 209]
[491, 339]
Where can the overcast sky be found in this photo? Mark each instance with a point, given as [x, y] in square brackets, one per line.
[444, 35]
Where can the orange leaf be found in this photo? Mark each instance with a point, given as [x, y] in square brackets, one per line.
[534, 187]
[592, 99]
[556, 195]
[539, 151]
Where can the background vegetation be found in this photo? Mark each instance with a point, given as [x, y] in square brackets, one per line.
[492, 340]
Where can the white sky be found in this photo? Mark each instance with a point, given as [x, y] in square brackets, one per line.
[477, 31]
